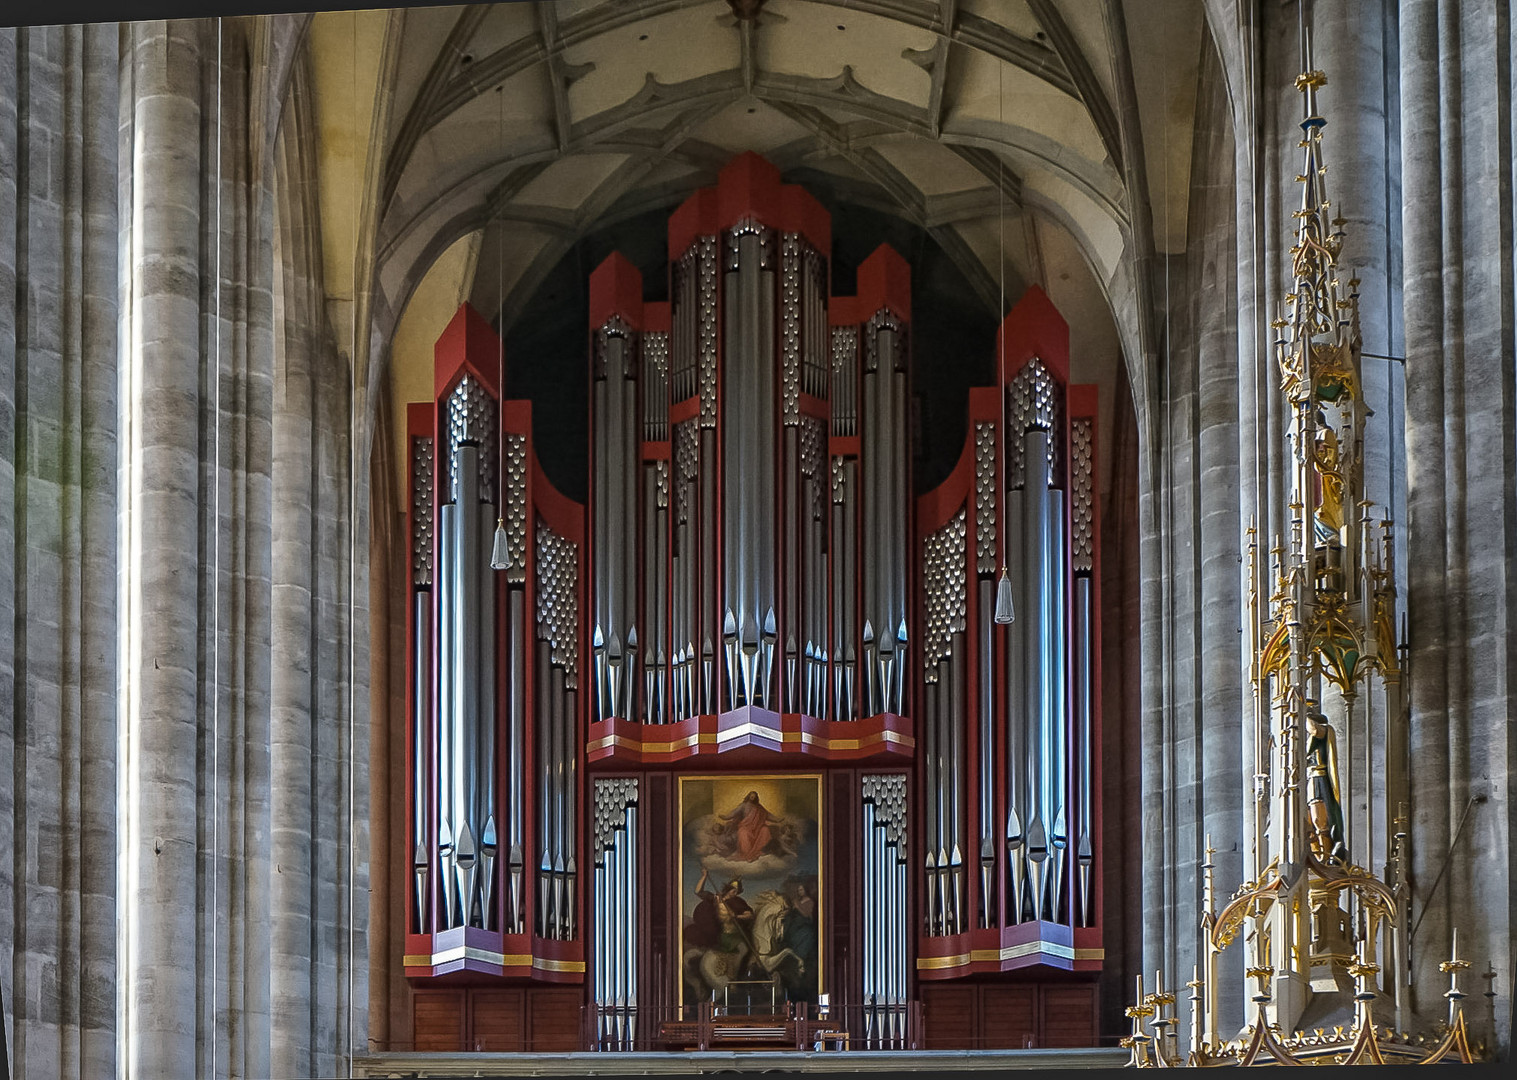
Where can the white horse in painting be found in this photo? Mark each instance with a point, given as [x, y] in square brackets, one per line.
[708, 970]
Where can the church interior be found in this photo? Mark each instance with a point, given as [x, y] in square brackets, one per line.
[593, 536]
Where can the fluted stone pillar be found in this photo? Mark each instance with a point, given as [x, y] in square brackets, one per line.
[319, 900]
[58, 437]
[1192, 771]
[1457, 119]
[1221, 675]
[164, 1011]
[198, 416]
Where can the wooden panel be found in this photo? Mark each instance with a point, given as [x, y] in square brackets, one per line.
[840, 790]
[439, 1016]
[660, 907]
[497, 1020]
[1008, 1018]
[1069, 1015]
[948, 1017]
[554, 1020]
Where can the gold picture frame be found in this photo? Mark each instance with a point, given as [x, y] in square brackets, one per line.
[749, 878]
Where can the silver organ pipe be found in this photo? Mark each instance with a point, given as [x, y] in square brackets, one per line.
[884, 905]
[615, 878]
[956, 718]
[544, 747]
[1084, 693]
[871, 453]
[1082, 645]
[986, 508]
[748, 432]
[467, 840]
[517, 754]
[558, 817]
[1035, 631]
[944, 716]
[421, 726]
[484, 677]
[447, 591]
[616, 465]
[704, 618]
[422, 517]
[796, 488]
[463, 781]
[1055, 717]
[985, 707]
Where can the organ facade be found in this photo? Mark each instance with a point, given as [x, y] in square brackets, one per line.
[748, 736]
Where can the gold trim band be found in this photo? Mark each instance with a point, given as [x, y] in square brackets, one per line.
[727, 735]
[469, 952]
[1010, 952]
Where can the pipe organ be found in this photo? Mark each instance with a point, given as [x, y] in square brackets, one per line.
[494, 669]
[1008, 726]
[754, 628]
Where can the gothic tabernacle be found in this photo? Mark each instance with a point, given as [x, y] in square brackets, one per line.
[758, 735]
[1325, 939]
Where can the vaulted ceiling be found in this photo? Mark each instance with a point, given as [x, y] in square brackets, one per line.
[503, 135]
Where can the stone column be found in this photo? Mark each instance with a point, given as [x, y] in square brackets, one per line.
[164, 1011]
[1212, 260]
[319, 899]
[58, 438]
[1456, 64]
[1193, 665]
[198, 416]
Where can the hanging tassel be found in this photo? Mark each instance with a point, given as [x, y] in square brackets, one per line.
[500, 556]
[1005, 612]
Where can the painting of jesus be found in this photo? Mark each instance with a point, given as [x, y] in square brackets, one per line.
[750, 885]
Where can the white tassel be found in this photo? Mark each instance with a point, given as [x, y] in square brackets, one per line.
[1005, 611]
[500, 556]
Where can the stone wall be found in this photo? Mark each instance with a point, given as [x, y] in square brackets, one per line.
[176, 526]
[58, 557]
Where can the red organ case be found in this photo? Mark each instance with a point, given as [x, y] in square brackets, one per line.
[753, 588]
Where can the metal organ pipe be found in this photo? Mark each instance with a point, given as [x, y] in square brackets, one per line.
[571, 759]
[900, 495]
[984, 611]
[1083, 679]
[421, 725]
[1057, 776]
[1035, 632]
[871, 914]
[604, 603]
[1018, 810]
[871, 452]
[447, 591]
[749, 431]
[559, 782]
[956, 777]
[466, 627]
[883, 905]
[517, 749]
[544, 746]
[627, 518]
[483, 676]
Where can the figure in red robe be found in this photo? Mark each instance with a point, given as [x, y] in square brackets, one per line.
[749, 833]
[750, 825]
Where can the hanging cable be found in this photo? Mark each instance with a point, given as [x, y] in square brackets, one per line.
[1005, 612]
[500, 554]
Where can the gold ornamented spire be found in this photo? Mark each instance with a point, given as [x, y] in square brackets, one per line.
[1325, 938]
